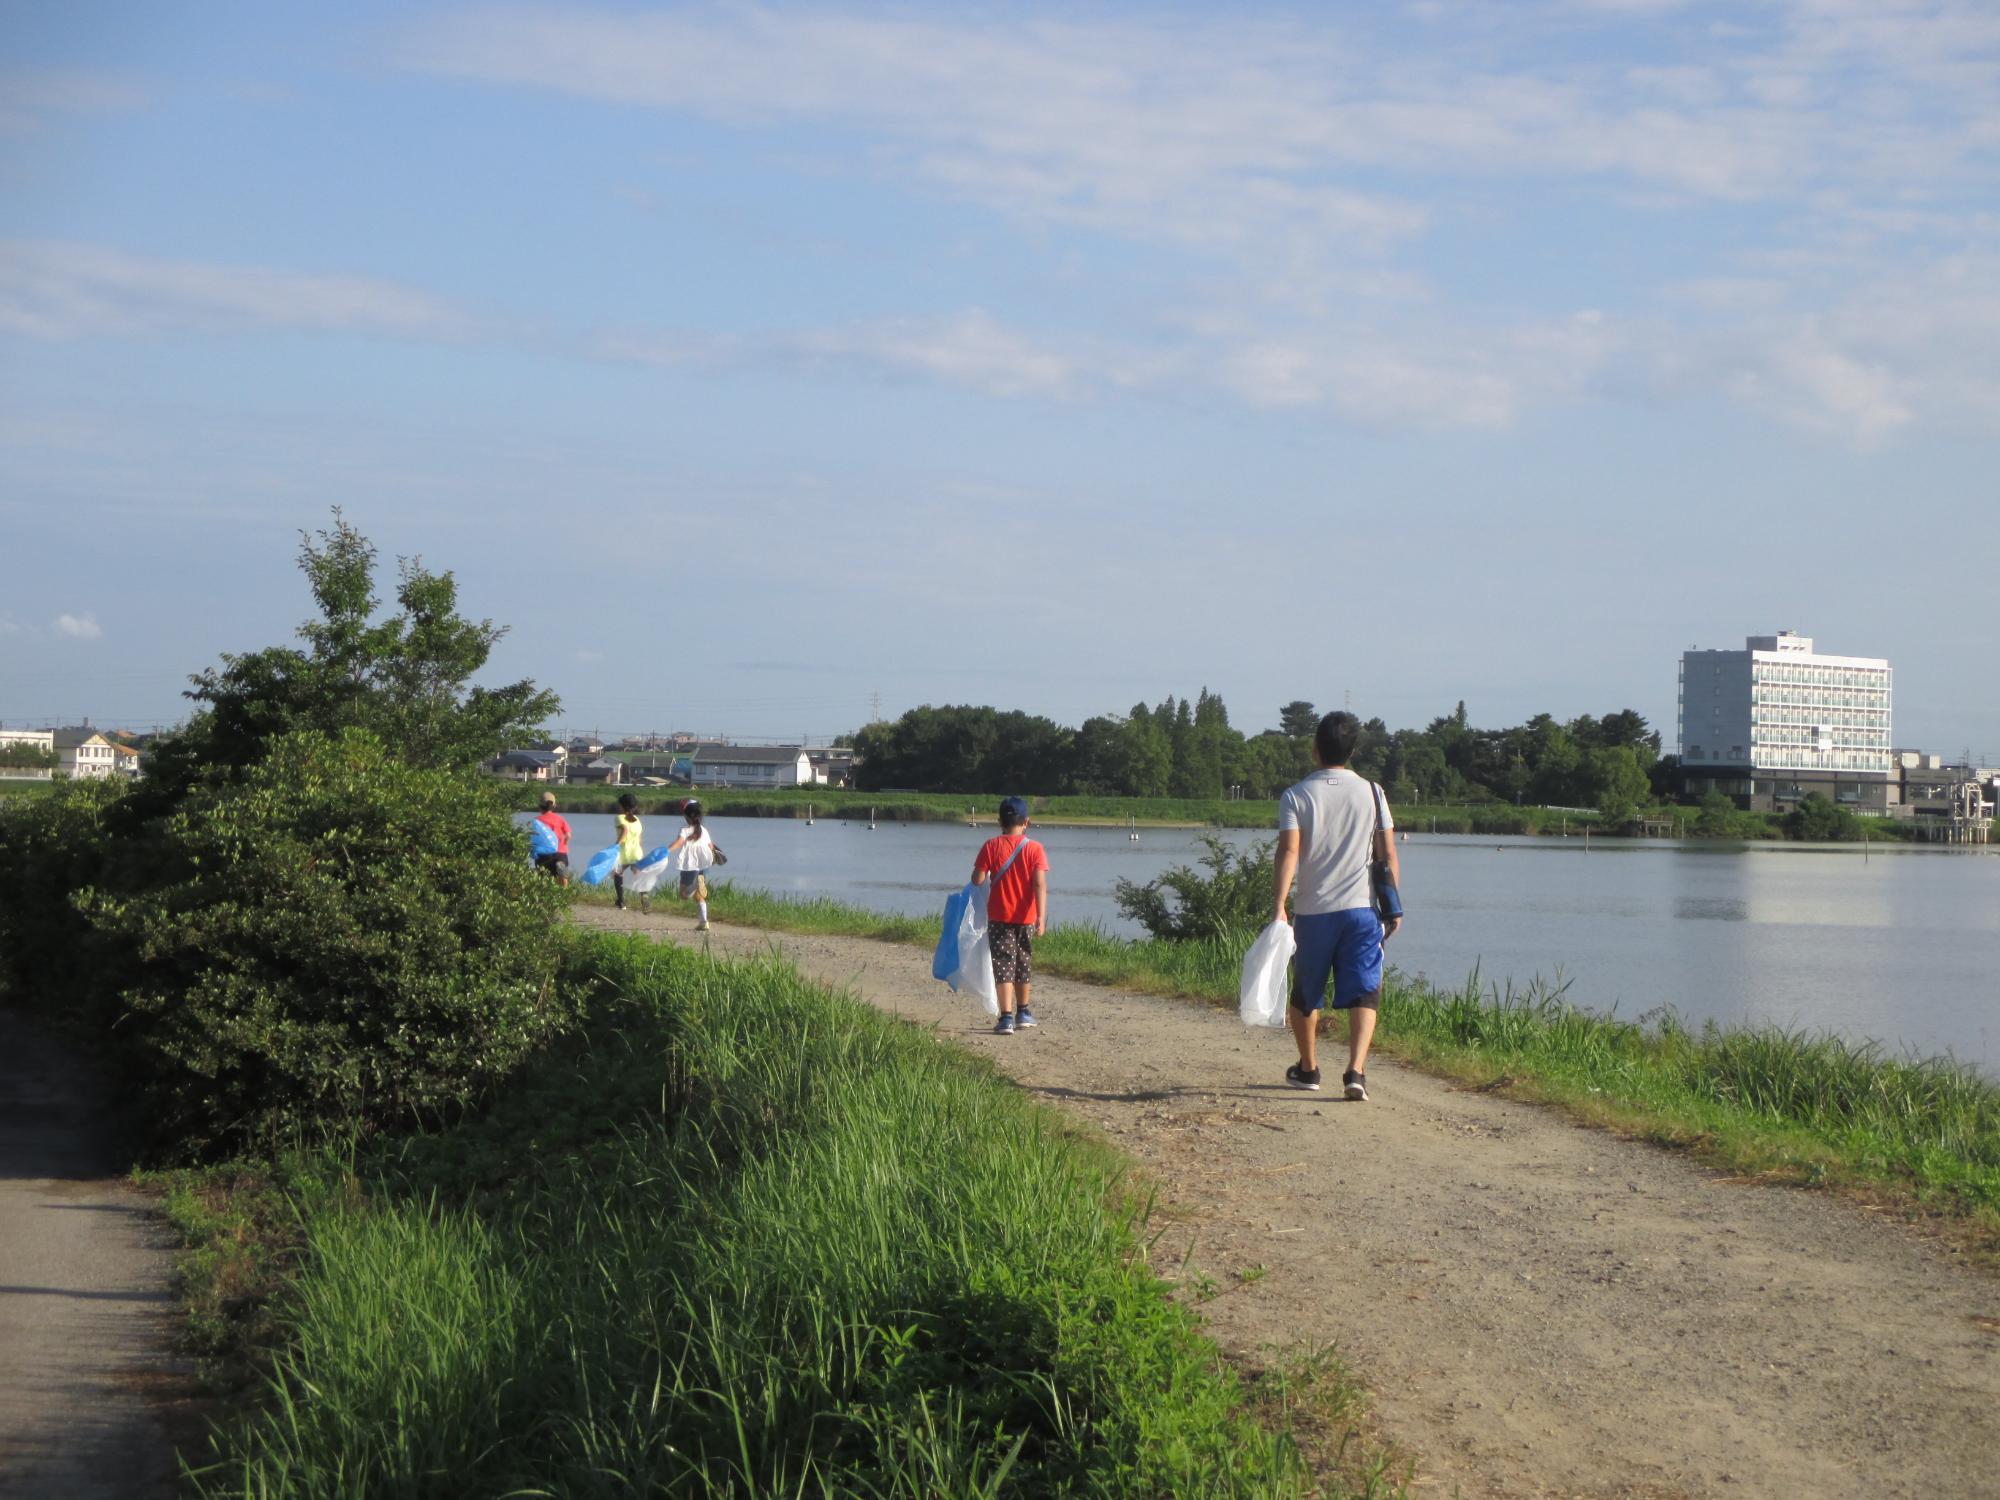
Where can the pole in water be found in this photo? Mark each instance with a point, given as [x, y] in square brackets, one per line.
[809, 815]
[871, 819]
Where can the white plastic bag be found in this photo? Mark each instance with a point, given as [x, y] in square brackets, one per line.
[645, 876]
[1262, 992]
[975, 956]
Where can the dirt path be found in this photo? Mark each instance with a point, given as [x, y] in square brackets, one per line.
[1538, 1309]
[85, 1314]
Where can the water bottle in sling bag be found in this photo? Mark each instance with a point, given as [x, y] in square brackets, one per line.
[1388, 900]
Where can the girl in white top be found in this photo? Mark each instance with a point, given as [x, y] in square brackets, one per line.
[695, 850]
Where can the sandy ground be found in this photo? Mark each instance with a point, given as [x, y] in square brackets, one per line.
[85, 1312]
[1538, 1309]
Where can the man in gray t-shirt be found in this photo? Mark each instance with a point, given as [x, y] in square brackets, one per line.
[1329, 828]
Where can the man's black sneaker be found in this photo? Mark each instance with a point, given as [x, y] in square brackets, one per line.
[1356, 1085]
[1302, 1078]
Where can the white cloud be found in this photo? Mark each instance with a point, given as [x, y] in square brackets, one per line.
[1215, 130]
[9, 625]
[83, 627]
[57, 290]
[1299, 166]
[971, 350]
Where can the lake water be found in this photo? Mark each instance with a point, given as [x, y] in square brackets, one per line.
[1902, 947]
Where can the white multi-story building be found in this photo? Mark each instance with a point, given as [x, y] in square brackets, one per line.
[85, 753]
[43, 740]
[1776, 720]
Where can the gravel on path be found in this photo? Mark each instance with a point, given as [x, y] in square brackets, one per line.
[86, 1317]
[1538, 1309]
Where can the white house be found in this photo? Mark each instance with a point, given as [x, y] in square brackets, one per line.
[751, 766]
[85, 752]
[527, 765]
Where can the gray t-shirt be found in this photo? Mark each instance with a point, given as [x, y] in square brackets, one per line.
[1334, 813]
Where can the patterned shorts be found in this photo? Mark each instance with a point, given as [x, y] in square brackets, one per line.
[1013, 945]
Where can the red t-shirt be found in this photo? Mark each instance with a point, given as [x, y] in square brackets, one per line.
[557, 824]
[1013, 898]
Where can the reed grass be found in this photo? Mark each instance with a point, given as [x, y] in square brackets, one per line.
[1798, 1105]
[744, 1237]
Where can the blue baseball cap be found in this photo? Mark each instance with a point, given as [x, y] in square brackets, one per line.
[1013, 810]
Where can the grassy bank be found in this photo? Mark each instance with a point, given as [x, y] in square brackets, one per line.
[25, 789]
[735, 1236]
[1796, 1106]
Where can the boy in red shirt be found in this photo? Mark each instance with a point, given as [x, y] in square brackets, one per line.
[553, 843]
[1019, 901]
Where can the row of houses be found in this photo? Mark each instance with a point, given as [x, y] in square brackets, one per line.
[81, 752]
[701, 764]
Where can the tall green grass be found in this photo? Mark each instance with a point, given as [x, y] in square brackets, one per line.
[743, 1237]
[1805, 1106]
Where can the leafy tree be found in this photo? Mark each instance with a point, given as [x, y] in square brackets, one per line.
[1616, 784]
[23, 756]
[1187, 778]
[1554, 760]
[1184, 905]
[337, 937]
[1271, 762]
[1416, 767]
[405, 678]
[1149, 755]
[1629, 729]
[1821, 821]
[1298, 719]
[1665, 778]
[1371, 756]
[1718, 816]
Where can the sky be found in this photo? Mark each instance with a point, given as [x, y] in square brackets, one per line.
[758, 365]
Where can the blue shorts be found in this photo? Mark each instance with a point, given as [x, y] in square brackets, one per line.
[1343, 945]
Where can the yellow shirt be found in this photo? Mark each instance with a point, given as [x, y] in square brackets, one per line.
[631, 849]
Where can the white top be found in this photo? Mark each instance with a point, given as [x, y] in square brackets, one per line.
[1334, 813]
[696, 854]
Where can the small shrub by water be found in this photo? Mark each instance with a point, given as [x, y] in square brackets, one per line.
[1183, 904]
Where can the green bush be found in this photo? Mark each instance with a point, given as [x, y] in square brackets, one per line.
[332, 936]
[1820, 821]
[50, 960]
[1184, 905]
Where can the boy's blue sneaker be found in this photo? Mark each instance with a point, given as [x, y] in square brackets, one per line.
[1024, 1018]
[1005, 1025]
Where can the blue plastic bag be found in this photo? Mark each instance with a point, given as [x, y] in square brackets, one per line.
[944, 963]
[541, 839]
[599, 869]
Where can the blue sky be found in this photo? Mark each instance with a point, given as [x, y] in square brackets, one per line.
[753, 360]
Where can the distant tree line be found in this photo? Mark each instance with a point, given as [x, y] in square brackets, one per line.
[1188, 748]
